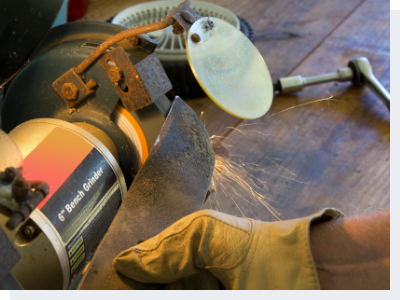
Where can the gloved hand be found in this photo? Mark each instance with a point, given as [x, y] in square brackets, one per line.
[241, 253]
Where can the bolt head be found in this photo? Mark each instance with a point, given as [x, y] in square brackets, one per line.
[69, 91]
[134, 40]
[115, 74]
[188, 16]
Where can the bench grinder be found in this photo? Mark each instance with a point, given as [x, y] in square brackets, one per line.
[76, 143]
[81, 117]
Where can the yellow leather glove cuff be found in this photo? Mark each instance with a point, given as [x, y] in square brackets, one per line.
[241, 253]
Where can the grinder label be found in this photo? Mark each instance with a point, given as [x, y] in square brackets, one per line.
[84, 195]
[78, 174]
[82, 246]
[74, 201]
[55, 158]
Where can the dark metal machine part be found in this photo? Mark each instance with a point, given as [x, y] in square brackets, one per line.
[184, 17]
[69, 83]
[9, 255]
[30, 95]
[27, 195]
[172, 183]
[23, 25]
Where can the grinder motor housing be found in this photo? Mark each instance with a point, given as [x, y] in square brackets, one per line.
[89, 154]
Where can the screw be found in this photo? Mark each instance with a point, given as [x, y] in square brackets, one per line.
[91, 84]
[195, 38]
[28, 231]
[115, 74]
[69, 91]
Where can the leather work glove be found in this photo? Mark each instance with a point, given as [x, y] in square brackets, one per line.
[241, 253]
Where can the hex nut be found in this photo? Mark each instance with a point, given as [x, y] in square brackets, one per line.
[28, 231]
[69, 91]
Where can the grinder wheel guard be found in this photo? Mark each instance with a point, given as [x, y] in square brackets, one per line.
[172, 183]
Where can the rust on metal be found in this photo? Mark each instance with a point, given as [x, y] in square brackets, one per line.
[181, 18]
[188, 16]
[115, 74]
[91, 83]
[119, 37]
[195, 38]
[209, 25]
[180, 13]
[178, 29]
[141, 84]
[70, 77]
[172, 183]
[134, 40]
[69, 91]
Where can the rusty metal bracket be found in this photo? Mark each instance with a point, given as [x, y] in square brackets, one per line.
[184, 17]
[137, 85]
[72, 88]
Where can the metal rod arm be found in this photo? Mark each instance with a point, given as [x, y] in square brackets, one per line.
[119, 37]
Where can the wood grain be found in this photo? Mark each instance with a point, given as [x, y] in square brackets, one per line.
[285, 33]
[337, 149]
[103, 10]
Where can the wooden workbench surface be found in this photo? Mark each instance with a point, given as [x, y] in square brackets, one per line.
[308, 154]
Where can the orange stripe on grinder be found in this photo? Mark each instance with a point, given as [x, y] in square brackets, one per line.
[139, 132]
[55, 159]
